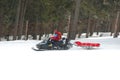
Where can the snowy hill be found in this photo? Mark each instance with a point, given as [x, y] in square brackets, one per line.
[19, 62]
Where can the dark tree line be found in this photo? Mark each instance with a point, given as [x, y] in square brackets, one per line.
[38, 17]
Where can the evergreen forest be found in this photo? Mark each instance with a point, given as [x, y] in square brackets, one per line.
[20, 18]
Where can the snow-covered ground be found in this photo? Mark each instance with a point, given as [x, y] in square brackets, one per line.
[19, 62]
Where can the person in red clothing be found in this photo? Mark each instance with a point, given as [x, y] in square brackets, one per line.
[56, 36]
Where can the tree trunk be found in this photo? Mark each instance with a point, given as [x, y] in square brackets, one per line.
[17, 20]
[97, 27]
[112, 25]
[26, 31]
[68, 26]
[116, 25]
[93, 24]
[73, 26]
[22, 14]
[41, 30]
[88, 28]
[79, 34]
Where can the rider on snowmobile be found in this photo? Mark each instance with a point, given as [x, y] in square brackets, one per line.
[56, 42]
[56, 37]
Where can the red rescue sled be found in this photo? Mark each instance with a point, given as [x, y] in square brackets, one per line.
[87, 45]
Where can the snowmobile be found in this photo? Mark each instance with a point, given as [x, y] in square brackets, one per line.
[63, 44]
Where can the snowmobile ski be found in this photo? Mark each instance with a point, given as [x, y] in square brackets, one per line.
[38, 49]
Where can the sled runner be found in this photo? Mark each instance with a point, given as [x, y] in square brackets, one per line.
[87, 45]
